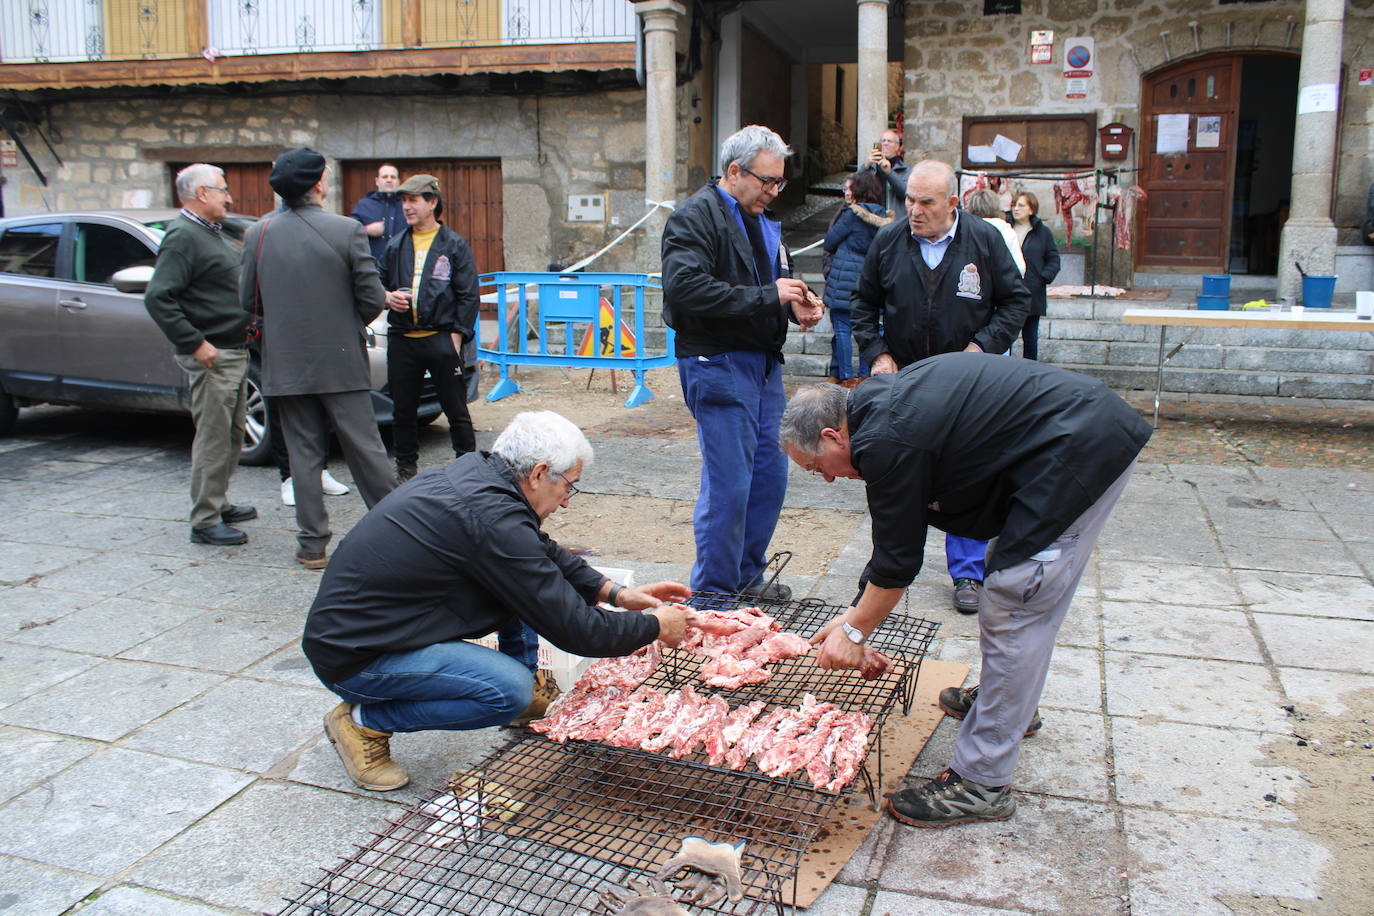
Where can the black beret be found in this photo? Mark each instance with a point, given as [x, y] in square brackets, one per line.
[296, 172]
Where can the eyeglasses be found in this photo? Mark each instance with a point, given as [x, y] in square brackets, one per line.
[776, 184]
[223, 190]
[572, 487]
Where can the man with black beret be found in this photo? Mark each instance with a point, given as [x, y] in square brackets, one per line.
[313, 278]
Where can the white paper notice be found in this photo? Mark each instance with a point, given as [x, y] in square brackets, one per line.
[1317, 97]
[1006, 148]
[1208, 131]
[1171, 134]
[982, 154]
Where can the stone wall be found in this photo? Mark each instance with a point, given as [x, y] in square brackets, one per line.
[959, 62]
[115, 153]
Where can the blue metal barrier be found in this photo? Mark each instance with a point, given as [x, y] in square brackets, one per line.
[569, 299]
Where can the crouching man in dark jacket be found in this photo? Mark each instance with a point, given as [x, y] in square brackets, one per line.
[1010, 449]
[456, 555]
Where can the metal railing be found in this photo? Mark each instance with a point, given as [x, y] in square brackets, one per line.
[80, 30]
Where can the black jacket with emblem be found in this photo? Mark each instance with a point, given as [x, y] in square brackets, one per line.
[983, 447]
[978, 295]
[710, 298]
[455, 554]
[446, 302]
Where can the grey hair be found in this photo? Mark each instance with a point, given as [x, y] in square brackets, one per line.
[984, 203]
[542, 435]
[926, 166]
[195, 176]
[812, 409]
[743, 145]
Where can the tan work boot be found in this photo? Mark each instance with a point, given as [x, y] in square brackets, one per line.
[546, 690]
[366, 754]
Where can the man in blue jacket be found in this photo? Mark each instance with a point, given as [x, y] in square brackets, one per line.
[380, 211]
[431, 284]
[728, 293]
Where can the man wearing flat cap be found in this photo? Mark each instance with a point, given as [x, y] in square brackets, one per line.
[311, 276]
[432, 303]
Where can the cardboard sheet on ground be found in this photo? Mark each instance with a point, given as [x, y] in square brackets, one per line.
[903, 739]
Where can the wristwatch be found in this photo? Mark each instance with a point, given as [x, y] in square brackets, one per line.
[853, 633]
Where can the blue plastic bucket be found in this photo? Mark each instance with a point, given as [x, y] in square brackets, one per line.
[1214, 303]
[1216, 284]
[1317, 291]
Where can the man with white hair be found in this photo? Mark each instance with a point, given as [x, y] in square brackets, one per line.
[193, 297]
[455, 554]
[729, 295]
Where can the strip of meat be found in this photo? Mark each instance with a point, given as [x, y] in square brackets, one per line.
[733, 673]
[569, 718]
[737, 644]
[683, 706]
[850, 753]
[726, 732]
[628, 671]
[800, 751]
[782, 742]
[874, 664]
[714, 713]
[645, 704]
[779, 646]
[820, 767]
[751, 741]
[740, 720]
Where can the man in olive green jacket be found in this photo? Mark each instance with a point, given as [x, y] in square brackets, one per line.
[193, 297]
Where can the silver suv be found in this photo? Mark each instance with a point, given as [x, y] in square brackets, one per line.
[71, 337]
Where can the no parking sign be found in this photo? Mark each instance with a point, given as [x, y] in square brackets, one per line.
[1078, 57]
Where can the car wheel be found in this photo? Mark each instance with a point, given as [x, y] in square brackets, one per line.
[257, 441]
[7, 413]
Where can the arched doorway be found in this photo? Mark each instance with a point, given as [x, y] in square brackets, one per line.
[1216, 162]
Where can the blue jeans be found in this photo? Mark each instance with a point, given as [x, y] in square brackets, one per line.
[965, 557]
[737, 401]
[1030, 338]
[453, 686]
[518, 640]
[842, 347]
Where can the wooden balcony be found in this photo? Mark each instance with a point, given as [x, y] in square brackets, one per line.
[65, 44]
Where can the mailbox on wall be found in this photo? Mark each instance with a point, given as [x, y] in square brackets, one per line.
[1114, 140]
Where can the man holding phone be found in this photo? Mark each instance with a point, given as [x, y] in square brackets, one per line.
[431, 280]
[886, 159]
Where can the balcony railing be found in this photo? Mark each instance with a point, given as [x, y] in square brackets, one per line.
[88, 30]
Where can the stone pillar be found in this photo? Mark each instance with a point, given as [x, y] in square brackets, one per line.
[660, 114]
[729, 64]
[872, 113]
[1309, 236]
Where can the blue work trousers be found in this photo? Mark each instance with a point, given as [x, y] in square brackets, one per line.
[842, 347]
[965, 557]
[453, 686]
[737, 401]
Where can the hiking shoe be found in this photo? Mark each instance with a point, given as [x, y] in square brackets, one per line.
[773, 591]
[966, 595]
[366, 754]
[950, 799]
[406, 471]
[546, 690]
[957, 701]
[311, 559]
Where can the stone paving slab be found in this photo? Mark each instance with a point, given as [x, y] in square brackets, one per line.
[26, 670]
[22, 607]
[1324, 690]
[108, 627]
[1315, 642]
[82, 819]
[208, 584]
[136, 901]
[262, 843]
[1195, 690]
[29, 889]
[28, 757]
[1184, 862]
[111, 573]
[96, 532]
[1287, 554]
[1162, 584]
[226, 641]
[1273, 592]
[21, 562]
[887, 903]
[1197, 632]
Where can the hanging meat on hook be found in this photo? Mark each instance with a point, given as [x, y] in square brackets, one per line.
[1125, 214]
[1067, 195]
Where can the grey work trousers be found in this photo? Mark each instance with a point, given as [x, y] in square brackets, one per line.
[219, 408]
[306, 421]
[1020, 609]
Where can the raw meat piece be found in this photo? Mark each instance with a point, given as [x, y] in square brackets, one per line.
[680, 710]
[628, 671]
[801, 750]
[779, 646]
[577, 709]
[753, 739]
[732, 673]
[820, 767]
[737, 644]
[874, 664]
[850, 752]
[784, 743]
[714, 713]
[645, 703]
[721, 735]
[739, 721]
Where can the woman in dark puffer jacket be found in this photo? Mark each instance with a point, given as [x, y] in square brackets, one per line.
[847, 242]
[1042, 265]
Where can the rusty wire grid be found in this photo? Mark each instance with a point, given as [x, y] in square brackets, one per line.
[546, 828]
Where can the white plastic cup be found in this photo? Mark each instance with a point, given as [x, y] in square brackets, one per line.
[1364, 304]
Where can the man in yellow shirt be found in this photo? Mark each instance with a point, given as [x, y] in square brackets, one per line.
[431, 284]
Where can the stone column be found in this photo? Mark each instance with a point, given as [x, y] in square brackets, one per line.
[1309, 236]
[729, 64]
[872, 113]
[660, 114]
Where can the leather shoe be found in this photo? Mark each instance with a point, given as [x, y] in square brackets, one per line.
[232, 515]
[966, 595]
[311, 559]
[220, 535]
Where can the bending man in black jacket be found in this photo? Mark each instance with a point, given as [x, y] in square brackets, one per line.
[728, 293]
[1010, 449]
[456, 555]
[431, 298]
[941, 284]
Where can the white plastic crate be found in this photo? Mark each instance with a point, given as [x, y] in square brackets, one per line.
[566, 667]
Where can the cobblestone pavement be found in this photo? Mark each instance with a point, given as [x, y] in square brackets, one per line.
[162, 749]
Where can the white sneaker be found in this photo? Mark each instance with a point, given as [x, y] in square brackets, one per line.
[288, 493]
[331, 486]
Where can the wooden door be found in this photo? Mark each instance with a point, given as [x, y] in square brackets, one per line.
[1186, 218]
[471, 189]
[247, 182]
